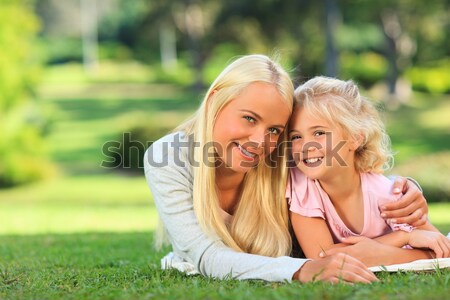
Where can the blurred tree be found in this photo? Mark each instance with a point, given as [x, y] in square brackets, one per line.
[412, 31]
[333, 20]
[385, 38]
[21, 144]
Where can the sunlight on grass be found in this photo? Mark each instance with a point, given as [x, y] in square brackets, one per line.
[69, 218]
[103, 203]
[126, 71]
[437, 118]
[79, 204]
[439, 215]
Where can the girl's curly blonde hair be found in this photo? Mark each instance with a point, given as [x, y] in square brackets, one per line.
[340, 103]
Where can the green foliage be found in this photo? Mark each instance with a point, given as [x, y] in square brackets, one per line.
[20, 120]
[133, 143]
[421, 140]
[18, 68]
[60, 50]
[181, 74]
[221, 56]
[432, 171]
[366, 68]
[433, 79]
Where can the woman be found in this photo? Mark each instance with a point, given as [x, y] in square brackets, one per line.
[218, 183]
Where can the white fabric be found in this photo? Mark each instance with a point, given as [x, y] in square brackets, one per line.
[171, 261]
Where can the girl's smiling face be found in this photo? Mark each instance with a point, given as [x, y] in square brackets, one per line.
[247, 129]
[319, 148]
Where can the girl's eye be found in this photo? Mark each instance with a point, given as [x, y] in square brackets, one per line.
[295, 137]
[274, 130]
[319, 133]
[250, 119]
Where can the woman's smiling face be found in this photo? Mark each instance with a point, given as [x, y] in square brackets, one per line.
[247, 129]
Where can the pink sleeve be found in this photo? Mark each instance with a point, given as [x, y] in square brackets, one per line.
[395, 227]
[304, 196]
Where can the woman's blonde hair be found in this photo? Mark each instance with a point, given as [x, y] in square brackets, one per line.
[340, 103]
[260, 221]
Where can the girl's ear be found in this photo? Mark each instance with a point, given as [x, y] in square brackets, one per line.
[356, 142]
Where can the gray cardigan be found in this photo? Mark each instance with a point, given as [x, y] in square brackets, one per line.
[169, 174]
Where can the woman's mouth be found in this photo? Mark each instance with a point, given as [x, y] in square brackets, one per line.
[246, 153]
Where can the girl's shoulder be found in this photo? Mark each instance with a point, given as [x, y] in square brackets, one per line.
[377, 183]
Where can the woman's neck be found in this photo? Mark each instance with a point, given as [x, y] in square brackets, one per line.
[229, 185]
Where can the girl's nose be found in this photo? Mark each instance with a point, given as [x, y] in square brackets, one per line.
[311, 146]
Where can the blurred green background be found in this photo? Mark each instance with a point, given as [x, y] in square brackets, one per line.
[86, 86]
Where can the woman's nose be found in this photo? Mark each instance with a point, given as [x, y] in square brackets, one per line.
[258, 139]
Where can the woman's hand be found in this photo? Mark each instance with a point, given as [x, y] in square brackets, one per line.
[335, 268]
[435, 241]
[411, 208]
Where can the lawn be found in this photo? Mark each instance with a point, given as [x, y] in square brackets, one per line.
[86, 233]
[124, 266]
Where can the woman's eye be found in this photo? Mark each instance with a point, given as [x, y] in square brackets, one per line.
[319, 133]
[295, 137]
[250, 119]
[274, 130]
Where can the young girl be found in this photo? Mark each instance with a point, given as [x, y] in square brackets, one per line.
[218, 183]
[340, 147]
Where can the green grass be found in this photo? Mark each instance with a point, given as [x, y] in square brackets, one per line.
[421, 127]
[87, 232]
[124, 266]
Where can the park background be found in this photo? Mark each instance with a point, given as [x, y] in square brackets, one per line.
[87, 85]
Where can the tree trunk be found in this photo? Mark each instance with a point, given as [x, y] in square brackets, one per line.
[332, 21]
[89, 34]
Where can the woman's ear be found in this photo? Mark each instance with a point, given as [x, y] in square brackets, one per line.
[213, 92]
[209, 99]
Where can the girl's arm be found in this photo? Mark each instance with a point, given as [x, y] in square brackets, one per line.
[428, 236]
[373, 253]
[424, 237]
[312, 234]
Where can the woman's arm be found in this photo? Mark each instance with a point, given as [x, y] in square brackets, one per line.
[411, 208]
[336, 268]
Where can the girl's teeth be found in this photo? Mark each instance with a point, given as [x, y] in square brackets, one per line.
[312, 160]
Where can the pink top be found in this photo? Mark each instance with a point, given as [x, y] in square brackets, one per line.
[307, 198]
